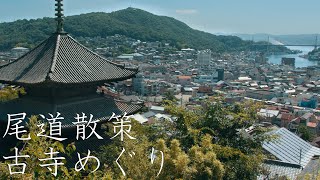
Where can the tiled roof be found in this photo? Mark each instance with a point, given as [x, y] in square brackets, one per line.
[286, 116]
[288, 147]
[278, 168]
[100, 107]
[61, 59]
[312, 124]
[184, 77]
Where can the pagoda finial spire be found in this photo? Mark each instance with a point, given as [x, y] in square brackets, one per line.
[59, 16]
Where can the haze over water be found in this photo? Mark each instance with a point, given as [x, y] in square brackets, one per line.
[300, 62]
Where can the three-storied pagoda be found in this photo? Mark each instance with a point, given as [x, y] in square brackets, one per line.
[61, 75]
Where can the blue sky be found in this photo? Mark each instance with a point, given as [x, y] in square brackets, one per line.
[215, 16]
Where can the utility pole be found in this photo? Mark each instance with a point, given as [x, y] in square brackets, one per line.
[318, 168]
[316, 42]
[268, 45]
[300, 156]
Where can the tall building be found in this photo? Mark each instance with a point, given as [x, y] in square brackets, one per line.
[138, 84]
[204, 58]
[220, 74]
[288, 61]
[61, 75]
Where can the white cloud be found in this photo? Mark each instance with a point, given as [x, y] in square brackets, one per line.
[186, 11]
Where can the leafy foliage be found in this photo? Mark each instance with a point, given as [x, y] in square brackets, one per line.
[35, 148]
[306, 134]
[10, 93]
[241, 156]
[203, 144]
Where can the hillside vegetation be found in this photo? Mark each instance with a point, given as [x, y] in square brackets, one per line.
[131, 22]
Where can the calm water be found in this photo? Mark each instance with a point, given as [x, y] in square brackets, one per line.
[300, 62]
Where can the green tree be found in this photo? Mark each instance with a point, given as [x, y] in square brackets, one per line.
[306, 134]
[240, 155]
[169, 95]
[202, 144]
[35, 148]
[9, 93]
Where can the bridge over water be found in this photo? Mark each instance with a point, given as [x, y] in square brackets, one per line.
[310, 45]
[278, 43]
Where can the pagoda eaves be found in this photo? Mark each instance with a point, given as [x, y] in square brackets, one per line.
[62, 60]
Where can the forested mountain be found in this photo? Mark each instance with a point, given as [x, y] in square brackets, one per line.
[131, 22]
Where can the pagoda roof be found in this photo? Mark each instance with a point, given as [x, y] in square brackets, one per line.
[60, 59]
[101, 107]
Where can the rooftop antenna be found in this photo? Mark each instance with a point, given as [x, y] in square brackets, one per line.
[59, 16]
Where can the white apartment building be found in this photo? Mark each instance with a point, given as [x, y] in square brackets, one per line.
[204, 58]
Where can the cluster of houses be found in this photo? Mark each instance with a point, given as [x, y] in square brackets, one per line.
[290, 95]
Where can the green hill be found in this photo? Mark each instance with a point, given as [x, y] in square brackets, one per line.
[131, 22]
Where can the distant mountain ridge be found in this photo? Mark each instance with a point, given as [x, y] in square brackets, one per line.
[294, 39]
[131, 22]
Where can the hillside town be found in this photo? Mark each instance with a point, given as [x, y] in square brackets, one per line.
[192, 77]
[100, 76]
[291, 94]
